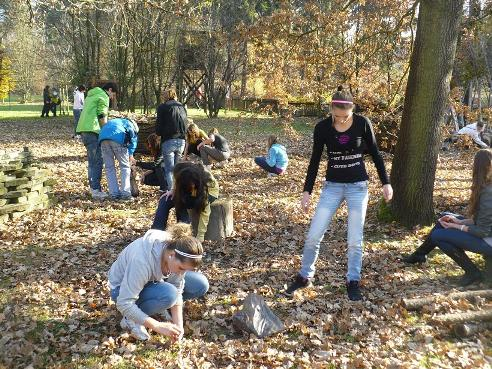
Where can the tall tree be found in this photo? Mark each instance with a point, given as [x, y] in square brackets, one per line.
[426, 97]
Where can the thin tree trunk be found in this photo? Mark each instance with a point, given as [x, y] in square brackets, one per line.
[426, 96]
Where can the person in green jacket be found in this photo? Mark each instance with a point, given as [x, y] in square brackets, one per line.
[94, 115]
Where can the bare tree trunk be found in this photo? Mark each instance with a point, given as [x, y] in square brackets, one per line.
[414, 164]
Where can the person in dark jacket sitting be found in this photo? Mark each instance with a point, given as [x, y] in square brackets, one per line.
[455, 234]
[153, 174]
[171, 127]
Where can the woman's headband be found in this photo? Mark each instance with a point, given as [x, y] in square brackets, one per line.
[341, 102]
[191, 256]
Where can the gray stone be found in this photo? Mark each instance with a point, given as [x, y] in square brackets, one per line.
[4, 218]
[10, 208]
[15, 194]
[257, 318]
[16, 182]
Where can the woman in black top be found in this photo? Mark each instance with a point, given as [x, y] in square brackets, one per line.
[346, 135]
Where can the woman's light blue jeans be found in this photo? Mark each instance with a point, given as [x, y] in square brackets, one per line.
[332, 195]
[171, 152]
[112, 150]
[159, 296]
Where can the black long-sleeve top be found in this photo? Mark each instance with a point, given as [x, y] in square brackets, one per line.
[171, 120]
[345, 152]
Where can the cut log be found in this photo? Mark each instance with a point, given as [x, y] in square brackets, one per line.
[471, 316]
[418, 303]
[221, 223]
[464, 330]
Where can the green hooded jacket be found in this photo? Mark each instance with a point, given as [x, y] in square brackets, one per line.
[96, 106]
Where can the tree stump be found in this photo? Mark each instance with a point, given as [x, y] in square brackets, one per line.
[220, 224]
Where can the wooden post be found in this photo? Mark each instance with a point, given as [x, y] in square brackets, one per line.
[220, 224]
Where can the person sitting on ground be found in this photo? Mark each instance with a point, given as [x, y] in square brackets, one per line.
[194, 137]
[153, 173]
[194, 188]
[215, 147]
[454, 234]
[118, 139]
[474, 131]
[276, 161]
[153, 274]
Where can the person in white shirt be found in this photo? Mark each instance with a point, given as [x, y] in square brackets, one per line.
[474, 130]
[78, 105]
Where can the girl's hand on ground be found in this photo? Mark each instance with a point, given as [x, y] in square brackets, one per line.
[168, 329]
[387, 192]
[306, 199]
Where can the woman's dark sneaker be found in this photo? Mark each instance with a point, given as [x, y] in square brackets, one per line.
[299, 282]
[353, 291]
[470, 278]
[414, 258]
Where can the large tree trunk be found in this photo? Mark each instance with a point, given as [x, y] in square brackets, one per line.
[426, 95]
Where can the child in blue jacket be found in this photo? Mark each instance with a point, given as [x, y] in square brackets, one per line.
[276, 161]
[118, 139]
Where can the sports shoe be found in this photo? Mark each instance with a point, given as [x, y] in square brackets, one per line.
[353, 291]
[136, 330]
[414, 258]
[299, 282]
[166, 316]
[126, 198]
[272, 175]
[98, 194]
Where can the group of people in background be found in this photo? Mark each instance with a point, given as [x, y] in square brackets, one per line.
[154, 274]
[51, 101]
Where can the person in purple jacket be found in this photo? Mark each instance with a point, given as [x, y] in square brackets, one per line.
[118, 139]
[346, 135]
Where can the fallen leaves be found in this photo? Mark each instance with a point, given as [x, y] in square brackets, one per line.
[55, 309]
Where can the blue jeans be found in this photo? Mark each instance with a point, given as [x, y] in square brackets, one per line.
[76, 117]
[162, 214]
[94, 159]
[159, 296]
[332, 195]
[262, 163]
[171, 152]
[450, 240]
[112, 150]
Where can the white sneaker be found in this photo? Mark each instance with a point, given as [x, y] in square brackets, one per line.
[98, 194]
[166, 316]
[136, 330]
[272, 175]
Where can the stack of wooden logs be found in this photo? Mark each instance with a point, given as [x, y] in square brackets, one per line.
[464, 324]
[24, 185]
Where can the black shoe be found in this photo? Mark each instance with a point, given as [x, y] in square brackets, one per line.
[353, 291]
[470, 278]
[299, 282]
[414, 258]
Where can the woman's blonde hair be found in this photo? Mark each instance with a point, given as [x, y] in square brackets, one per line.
[481, 178]
[182, 240]
[213, 131]
[192, 132]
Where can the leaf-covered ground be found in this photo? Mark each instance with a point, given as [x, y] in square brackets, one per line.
[54, 302]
